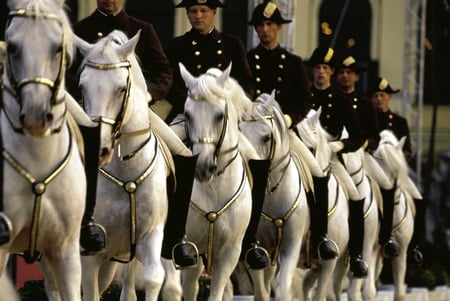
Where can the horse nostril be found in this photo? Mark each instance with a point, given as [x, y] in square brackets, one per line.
[22, 119]
[104, 152]
[49, 117]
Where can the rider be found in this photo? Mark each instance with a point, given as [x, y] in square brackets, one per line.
[275, 68]
[337, 113]
[380, 95]
[348, 72]
[199, 49]
[108, 16]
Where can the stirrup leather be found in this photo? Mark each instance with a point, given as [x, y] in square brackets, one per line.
[194, 249]
[323, 241]
[9, 226]
[256, 247]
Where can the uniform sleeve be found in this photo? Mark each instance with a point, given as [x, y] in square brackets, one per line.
[403, 131]
[155, 64]
[372, 127]
[352, 124]
[299, 88]
[177, 93]
[241, 69]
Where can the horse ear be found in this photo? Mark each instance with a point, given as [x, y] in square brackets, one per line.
[129, 46]
[82, 45]
[401, 143]
[224, 76]
[185, 74]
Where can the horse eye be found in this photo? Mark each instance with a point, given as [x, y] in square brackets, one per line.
[219, 117]
[59, 50]
[11, 48]
[267, 138]
[122, 90]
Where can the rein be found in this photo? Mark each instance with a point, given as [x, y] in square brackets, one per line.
[38, 188]
[130, 188]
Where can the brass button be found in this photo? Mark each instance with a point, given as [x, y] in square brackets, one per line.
[258, 79]
[199, 66]
[257, 67]
[219, 52]
[197, 53]
[256, 56]
[194, 42]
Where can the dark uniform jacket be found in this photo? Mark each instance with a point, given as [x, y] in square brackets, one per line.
[399, 126]
[368, 120]
[200, 52]
[154, 63]
[277, 69]
[336, 113]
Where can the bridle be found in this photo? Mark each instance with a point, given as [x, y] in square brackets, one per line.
[117, 122]
[213, 141]
[53, 84]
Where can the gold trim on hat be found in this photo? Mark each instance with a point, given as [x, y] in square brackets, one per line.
[269, 10]
[202, 1]
[329, 55]
[348, 61]
[383, 84]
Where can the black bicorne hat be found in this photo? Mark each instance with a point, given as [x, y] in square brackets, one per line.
[267, 11]
[382, 85]
[323, 55]
[210, 3]
[349, 62]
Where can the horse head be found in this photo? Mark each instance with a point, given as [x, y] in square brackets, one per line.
[265, 127]
[109, 80]
[39, 47]
[316, 138]
[211, 121]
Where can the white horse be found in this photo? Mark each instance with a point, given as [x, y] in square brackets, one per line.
[285, 218]
[44, 181]
[392, 160]
[316, 138]
[131, 195]
[357, 163]
[221, 198]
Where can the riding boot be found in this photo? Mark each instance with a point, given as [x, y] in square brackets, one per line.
[391, 248]
[415, 257]
[174, 245]
[323, 247]
[255, 256]
[5, 223]
[92, 236]
[356, 225]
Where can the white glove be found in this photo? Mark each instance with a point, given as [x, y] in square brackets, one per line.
[336, 146]
[288, 120]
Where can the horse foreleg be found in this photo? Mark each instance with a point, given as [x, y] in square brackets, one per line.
[398, 273]
[260, 291]
[148, 252]
[287, 267]
[369, 288]
[89, 278]
[325, 274]
[65, 266]
[190, 282]
[106, 275]
[171, 289]
[7, 288]
[128, 281]
[340, 271]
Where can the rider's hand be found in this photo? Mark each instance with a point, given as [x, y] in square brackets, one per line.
[336, 146]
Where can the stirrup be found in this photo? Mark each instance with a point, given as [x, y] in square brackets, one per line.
[323, 241]
[359, 267]
[8, 225]
[194, 250]
[415, 257]
[100, 230]
[391, 248]
[256, 247]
